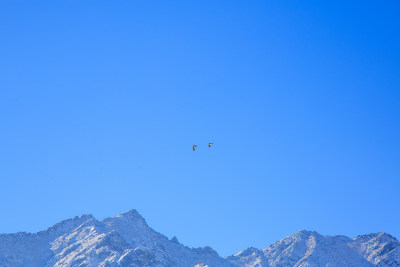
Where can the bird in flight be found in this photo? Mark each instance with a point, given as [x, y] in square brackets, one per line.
[194, 147]
[209, 144]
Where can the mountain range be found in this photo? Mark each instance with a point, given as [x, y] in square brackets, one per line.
[127, 240]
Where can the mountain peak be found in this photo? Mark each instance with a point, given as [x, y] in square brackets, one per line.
[130, 213]
[300, 236]
[69, 224]
[131, 216]
[303, 233]
[127, 240]
[380, 235]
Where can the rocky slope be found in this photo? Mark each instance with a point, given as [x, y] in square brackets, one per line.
[127, 240]
[307, 248]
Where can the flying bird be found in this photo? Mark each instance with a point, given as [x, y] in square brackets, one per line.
[209, 144]
[194, 147]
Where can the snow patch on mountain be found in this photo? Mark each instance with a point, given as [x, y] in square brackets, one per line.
[127, 240]
[309, 249]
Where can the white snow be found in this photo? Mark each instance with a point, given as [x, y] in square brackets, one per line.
[127, 240]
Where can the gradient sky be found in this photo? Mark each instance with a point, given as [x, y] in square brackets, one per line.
[101, 101]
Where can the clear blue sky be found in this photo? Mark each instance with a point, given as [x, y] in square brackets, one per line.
[100, 103]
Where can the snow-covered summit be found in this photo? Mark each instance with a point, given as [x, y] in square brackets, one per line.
[307, 248]
[130, 215]
[68, 225]
[127, 240]
[123, 240]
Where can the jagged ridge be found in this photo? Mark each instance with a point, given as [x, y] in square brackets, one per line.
[127, 240]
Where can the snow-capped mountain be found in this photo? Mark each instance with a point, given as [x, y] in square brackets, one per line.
[309, 249]
[127, 240]
[123, 240]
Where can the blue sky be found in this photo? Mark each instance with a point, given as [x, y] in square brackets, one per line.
[100, 103]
